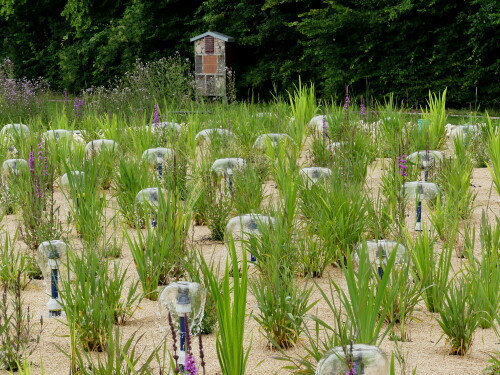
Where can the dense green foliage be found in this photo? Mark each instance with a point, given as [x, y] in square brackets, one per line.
[407, 47]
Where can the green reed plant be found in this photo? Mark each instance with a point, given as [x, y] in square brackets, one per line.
[430, 269]
[273, 245]
[444, 219]
[158, 253]
[366, 302]
[39, 211]
[380, 220]
[352, 157]
[493, 148]
[9, 198]
[337, 212]
[320, 153]
[218, 205]
[303, 107]
[435, 113]
[121, 357]
[320, 336]
[248, 188]
[88, 203]
[230, 303]
[390, 129]
[19, 337]
[407, 295]
[153, 261]
[133, 176]
[192, 265]
[455, 180]
[282, 304]
[12, 263]
[95, 300]
[313, 255]
[484, 272]
[286, 174]
[458, 317]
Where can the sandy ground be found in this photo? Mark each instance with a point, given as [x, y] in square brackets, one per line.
[426, 350]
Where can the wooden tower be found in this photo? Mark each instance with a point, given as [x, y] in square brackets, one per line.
[212, 58]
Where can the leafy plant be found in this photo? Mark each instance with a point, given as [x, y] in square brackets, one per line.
[87, 203]
[230, 312]
[430, 270]
[12, 263]
[367, 303]
[93, 302]
[436, 115]
[494, 154]
[18, 340]
[458, 317]
[337, 214]
[248, 192]
[132, 178]
[282, 307]
[303, 106]
[401, 298]
[121, 357]
[484, 273]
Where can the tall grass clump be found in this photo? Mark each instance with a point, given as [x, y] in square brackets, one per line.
[458, 317]
[12, 263]
[230, 304]
[336, 212]
[94, 301]
[303, 107]
[121, 357]
[248, 188]
[132, 177]
[494, 154]
[39, 210]
[18, 336]
[158, 253]
[367, 303]
[455, 203]
[435, 113]
[401, 298]
[88, 203]
[215, 202]
[484, 272]
[282, 302]
[431, 270]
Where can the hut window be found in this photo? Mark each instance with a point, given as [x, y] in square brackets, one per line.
[198, 64]
[209, 64]
[209, 45]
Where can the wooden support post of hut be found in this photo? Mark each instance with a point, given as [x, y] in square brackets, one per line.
[212, 55]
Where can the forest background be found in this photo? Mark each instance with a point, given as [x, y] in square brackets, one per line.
[406, 47]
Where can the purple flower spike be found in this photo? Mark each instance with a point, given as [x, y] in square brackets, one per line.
[190, 365]
[362, 110]
[402, 165]
[32, 162]
[156, 115]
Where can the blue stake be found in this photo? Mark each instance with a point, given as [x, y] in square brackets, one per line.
[182, 339]
[159, 168]
[53, 304]
[418, 224]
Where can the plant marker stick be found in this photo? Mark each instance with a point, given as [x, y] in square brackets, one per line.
[426, 170]
[183, 307]
[53, 304]
[418, 224]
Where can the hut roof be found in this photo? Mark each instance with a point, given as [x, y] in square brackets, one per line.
[215, 34]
